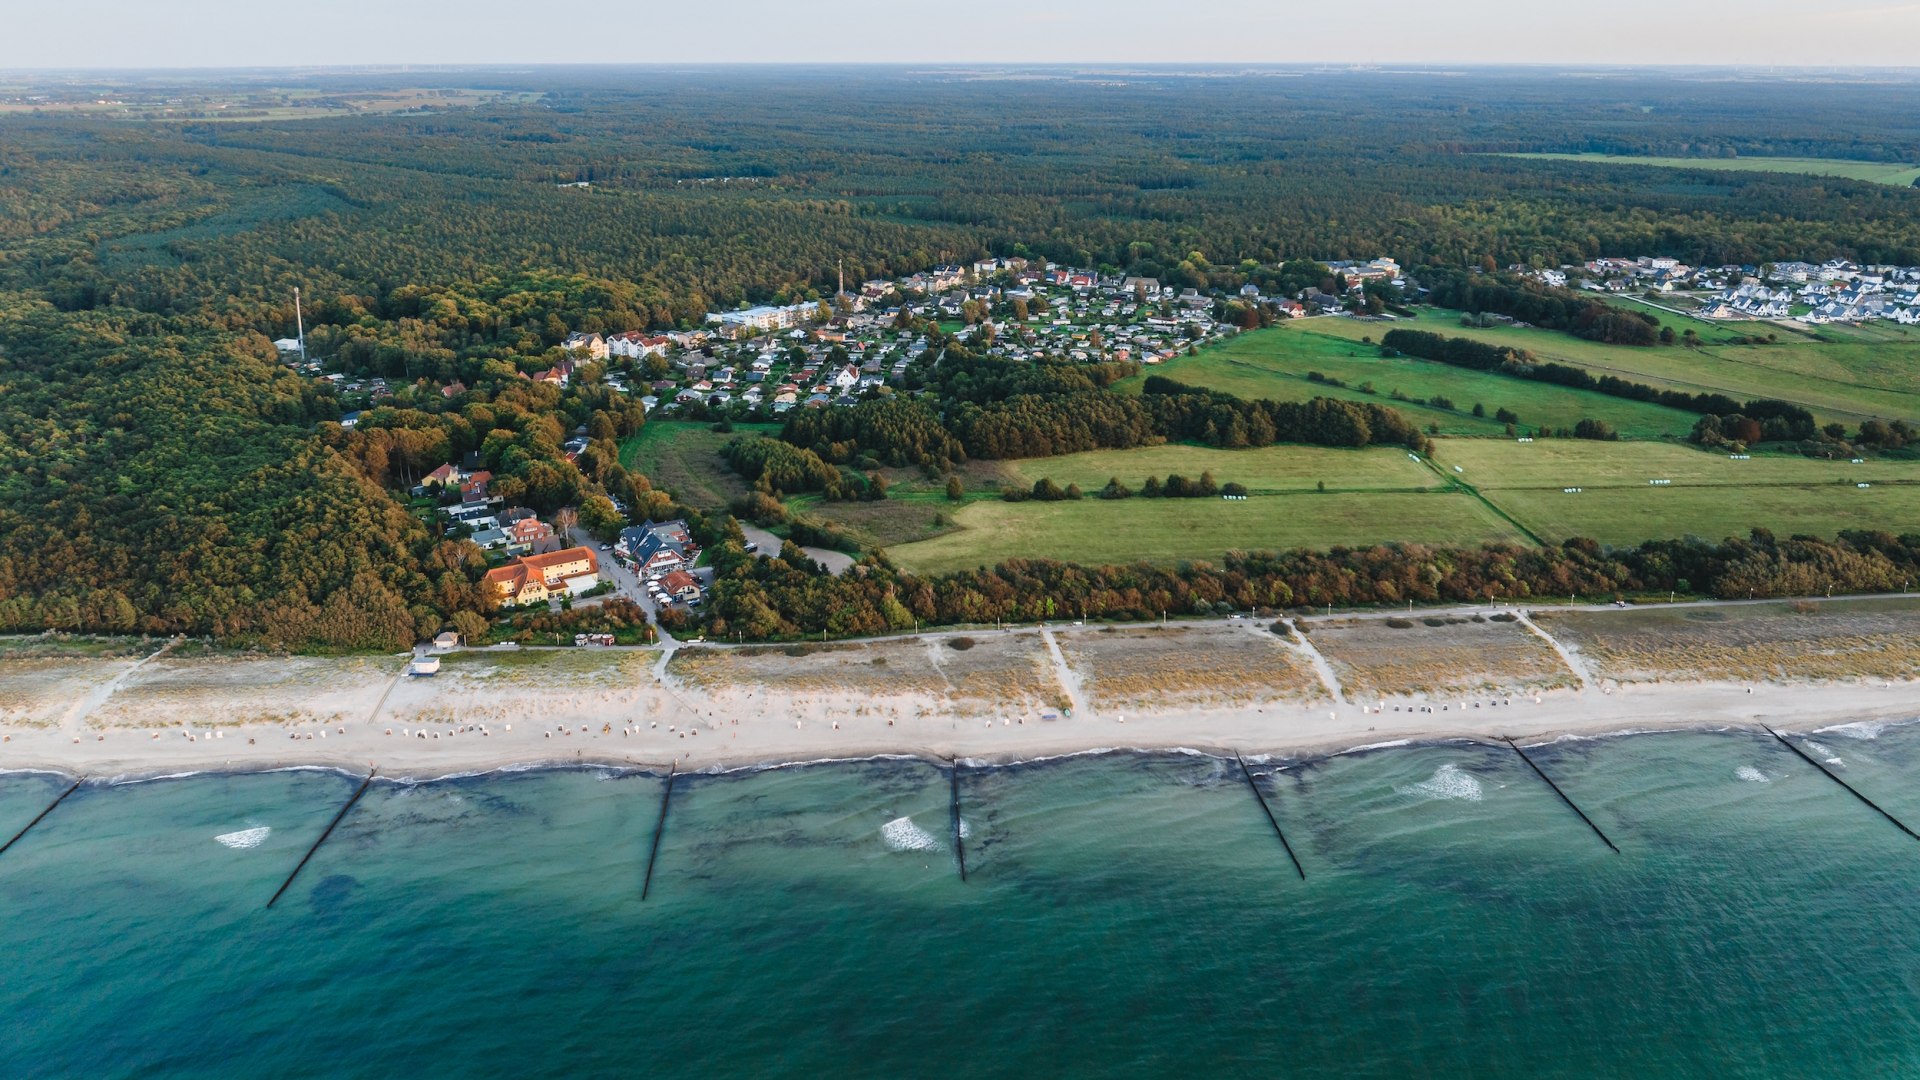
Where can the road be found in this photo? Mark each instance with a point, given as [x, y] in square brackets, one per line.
[1460, 610]
[836, 562]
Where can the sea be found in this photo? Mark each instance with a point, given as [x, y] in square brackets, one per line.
[1122, 914]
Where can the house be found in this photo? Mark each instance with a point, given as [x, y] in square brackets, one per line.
[443, 476]
[532, 579]
[593, 345]
[525, 534]
[681, 586]
[559, 374]
[636, 346]
[491, 539]
[846, 378]
[644, 543]
[453, 390]
[473, 486]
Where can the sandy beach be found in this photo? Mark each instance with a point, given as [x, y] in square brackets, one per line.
[1346, 682]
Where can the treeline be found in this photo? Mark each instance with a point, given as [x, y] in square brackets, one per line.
[901, 432]
[1175, 486]
[1769, 421]
[778, 598]
[1540, 305]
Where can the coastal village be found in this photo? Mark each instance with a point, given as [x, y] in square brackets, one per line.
[756, 363]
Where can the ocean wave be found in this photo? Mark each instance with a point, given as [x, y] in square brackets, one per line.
[901, 834]
[1825, 752]
[1862, 729]
[132, 778]
[1751, 775]
[1449, 781]
[245, 838]
[1364, 747]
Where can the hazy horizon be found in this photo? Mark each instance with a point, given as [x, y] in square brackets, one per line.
[224, 34]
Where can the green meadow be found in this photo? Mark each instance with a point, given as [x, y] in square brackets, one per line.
[1099, 531]
[683, 457]
[1846, 374]
[1275, 363]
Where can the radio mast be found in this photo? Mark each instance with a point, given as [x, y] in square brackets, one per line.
[299, 324]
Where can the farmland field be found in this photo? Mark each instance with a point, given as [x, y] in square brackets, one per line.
[1624, 516]
[1266, 469]
[1097, 531]
[1493, 464]
[1274, 364]
[1712, 496]
[1877, 172]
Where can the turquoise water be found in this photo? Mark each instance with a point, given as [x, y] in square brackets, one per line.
[1124, 915]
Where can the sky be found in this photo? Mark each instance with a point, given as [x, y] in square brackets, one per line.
[247, 33]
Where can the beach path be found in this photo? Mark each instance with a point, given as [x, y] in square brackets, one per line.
[1573, 661]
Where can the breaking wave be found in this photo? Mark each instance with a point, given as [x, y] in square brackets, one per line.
[1751, 775]
[245, 838]
[1447, 782]
[901, 834]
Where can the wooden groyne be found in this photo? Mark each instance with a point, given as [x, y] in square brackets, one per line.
[1268, 810]
[331, 825]
[1835, 777]
[659, 827]
[953, 805]
[62, 797]
[1571, 805]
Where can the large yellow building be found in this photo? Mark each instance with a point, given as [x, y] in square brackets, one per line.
[531, 579]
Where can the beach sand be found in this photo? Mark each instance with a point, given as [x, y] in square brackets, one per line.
[999, 695]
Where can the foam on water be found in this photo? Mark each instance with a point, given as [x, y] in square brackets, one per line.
[1864, 729]
[1449, 781]
[901, 834]
[245, 838]
[1751, 775]
[1825, 752]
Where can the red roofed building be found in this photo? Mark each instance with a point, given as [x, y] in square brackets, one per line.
[532, 579]
[681, 585]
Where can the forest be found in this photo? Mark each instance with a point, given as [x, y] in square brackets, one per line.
[163, 472]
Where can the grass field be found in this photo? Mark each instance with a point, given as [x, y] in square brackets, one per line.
[1267, 469]
[1098, 531]
[1877, 172]
[1712, 496]
[1274, 364]
[1841, 373]
[683, 457]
